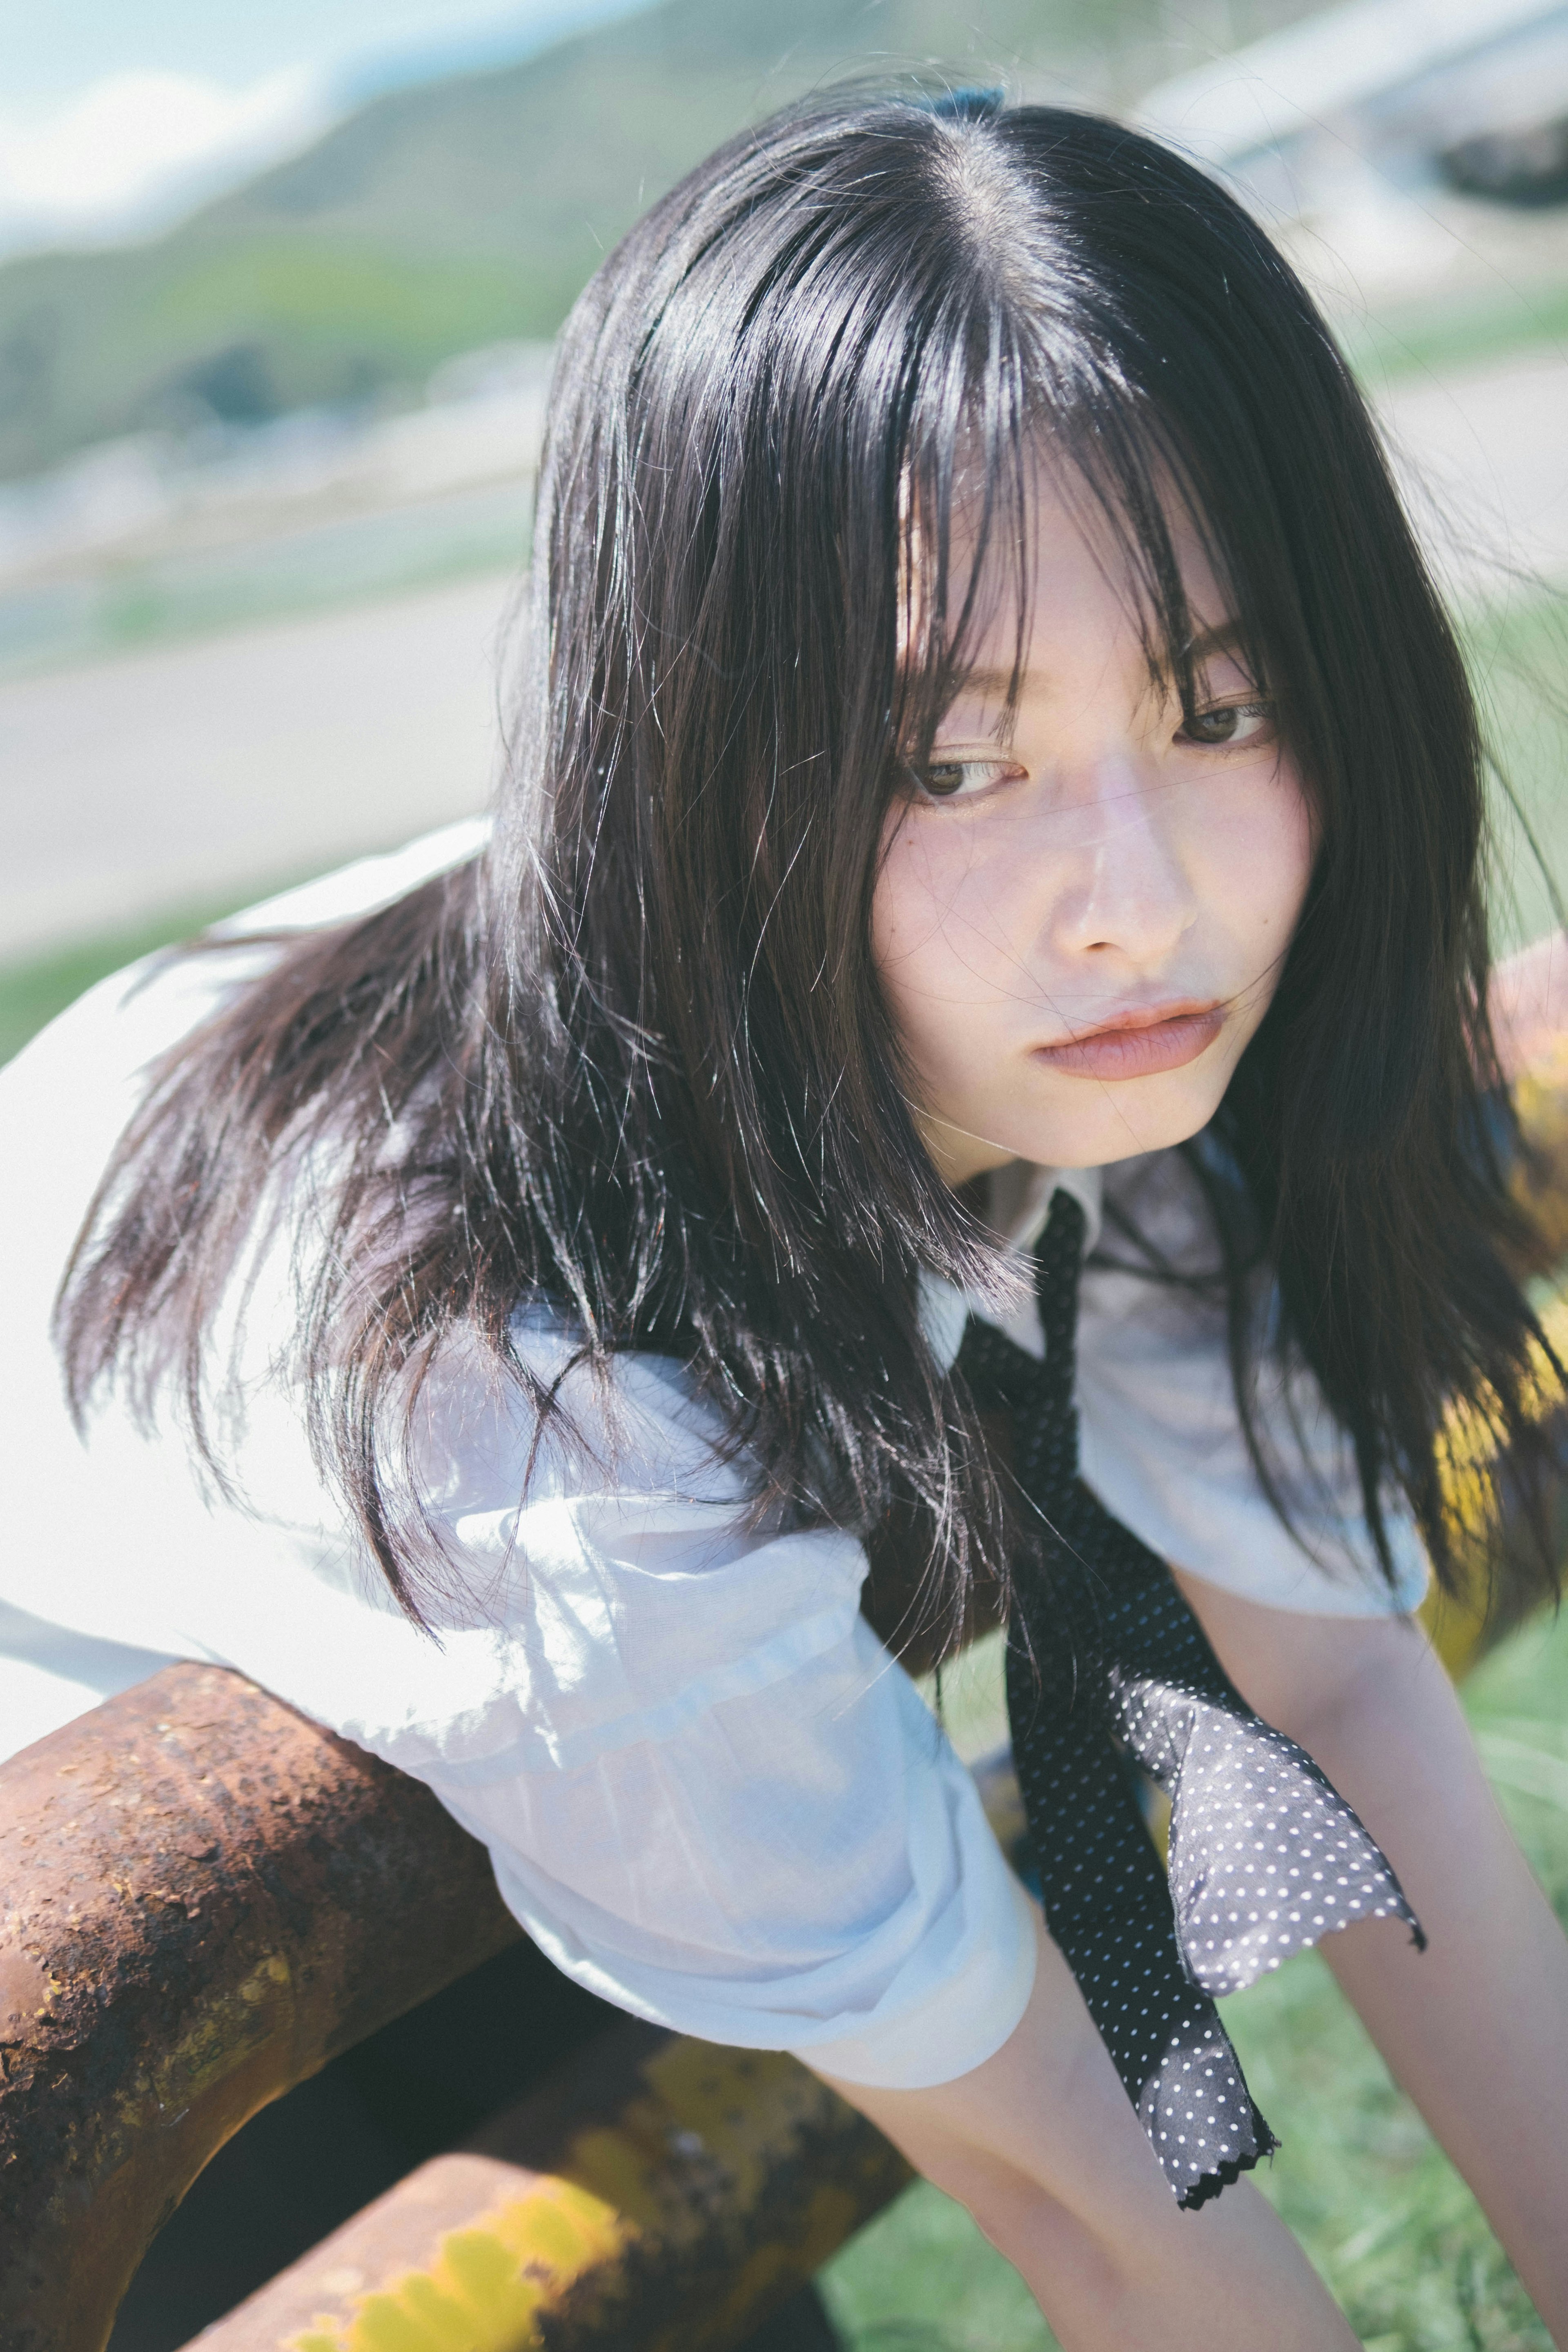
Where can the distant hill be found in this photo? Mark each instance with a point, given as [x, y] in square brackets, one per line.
[472, 210]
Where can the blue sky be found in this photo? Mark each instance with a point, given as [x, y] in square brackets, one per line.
[117, 115]
[54, 51]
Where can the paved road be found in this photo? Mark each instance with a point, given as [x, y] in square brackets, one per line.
[182, 775]
[1485, 460]
[190, 773]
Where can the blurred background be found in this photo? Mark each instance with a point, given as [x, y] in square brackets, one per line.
[277, 289]
[277, 294]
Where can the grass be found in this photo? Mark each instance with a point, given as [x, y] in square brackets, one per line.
[32, 992]
[1440, 333]
[346, 559]
[1518, 651]
[1382, 2212]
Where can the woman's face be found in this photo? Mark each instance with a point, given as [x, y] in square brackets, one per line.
[1083, 913]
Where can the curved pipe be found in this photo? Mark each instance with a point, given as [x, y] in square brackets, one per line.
[205, 1897]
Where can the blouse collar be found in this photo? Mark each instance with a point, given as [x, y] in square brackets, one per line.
[1020, 1202]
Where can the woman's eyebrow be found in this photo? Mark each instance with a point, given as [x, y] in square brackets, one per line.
[1225, 637]
[985, 684]
[1002, 685]
[997, 692]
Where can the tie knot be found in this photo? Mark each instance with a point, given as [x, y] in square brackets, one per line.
[1058, 1261]
[1002, 1377]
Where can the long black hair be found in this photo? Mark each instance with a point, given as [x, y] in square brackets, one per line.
[635, 1058]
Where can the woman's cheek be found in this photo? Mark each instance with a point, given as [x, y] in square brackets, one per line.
[1259, 849]
[924, 933]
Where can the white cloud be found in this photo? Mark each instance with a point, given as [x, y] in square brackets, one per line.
[129, 153]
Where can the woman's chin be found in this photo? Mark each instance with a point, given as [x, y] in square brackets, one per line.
[1090, 1123]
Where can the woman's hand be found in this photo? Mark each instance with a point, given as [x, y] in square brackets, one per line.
[1042, 2145]
[1475, 2027]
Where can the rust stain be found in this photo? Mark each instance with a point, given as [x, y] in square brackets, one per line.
[26, 1989]
[206, 1895]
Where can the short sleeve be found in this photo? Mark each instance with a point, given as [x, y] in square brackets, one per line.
[1161, 1439]
[708, 1792]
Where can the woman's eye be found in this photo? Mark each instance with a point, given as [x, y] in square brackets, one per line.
[950, 780]
[1226, 725]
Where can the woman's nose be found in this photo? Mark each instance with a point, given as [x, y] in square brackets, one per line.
[1124, 884]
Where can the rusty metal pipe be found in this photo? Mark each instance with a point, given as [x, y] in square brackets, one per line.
[203, 1899]
[657, 2195]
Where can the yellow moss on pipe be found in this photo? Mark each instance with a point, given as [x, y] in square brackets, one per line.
[703, 2136]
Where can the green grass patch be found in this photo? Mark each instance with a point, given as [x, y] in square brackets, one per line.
[1455, 331]
[1518, 651]
[1360, 2179]
[922, 2279]
[297, 298]
[355, 559]
[33, 992]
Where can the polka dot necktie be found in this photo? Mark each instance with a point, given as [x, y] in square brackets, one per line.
[1109, 1672]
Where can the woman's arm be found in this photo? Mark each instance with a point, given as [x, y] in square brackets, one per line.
[1042, 2145]
[1475, 2027]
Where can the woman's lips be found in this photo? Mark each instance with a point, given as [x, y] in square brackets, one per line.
[1139, 1046]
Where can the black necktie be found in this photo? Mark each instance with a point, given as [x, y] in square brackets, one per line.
[1108, 1669]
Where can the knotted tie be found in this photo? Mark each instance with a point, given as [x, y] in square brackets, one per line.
[1108, 1669]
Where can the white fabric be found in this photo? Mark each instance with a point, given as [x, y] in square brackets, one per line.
[708, 1791]
[1162, 1446]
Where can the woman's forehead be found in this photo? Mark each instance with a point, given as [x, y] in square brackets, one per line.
[1063, 521]
[1075, 573]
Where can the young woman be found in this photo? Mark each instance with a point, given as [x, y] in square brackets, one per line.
[994, 772]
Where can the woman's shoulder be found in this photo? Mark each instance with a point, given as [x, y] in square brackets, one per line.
[633, 1430]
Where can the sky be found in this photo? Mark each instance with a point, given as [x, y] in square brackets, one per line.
[118, 115]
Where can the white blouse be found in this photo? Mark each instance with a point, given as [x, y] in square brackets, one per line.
[709, 1794]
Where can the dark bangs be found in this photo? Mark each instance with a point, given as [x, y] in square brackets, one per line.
[637, 1060]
